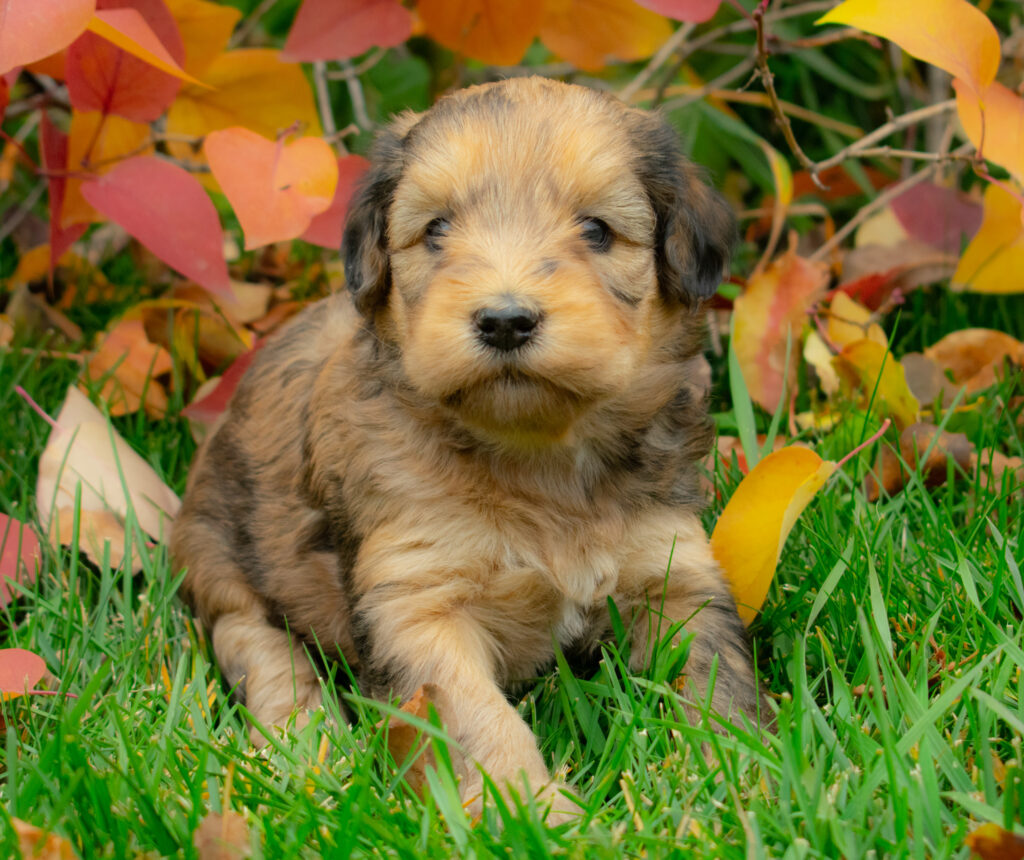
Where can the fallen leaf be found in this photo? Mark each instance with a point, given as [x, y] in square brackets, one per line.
[339, 29]
[870, 368]
[210, 404]
[749, 535]
[992, 842]
[127, 363]
[20, 670]
[497, 32]
[924, 448]
[53, 150]
[407, 742]
[925, 379]
[994, 260]
[222, 837]
[40, 844]
[205, 29]
[951, 34]
[817, 354]
[975, 356]
[175, 218]
[83, 451]
[275, 188]
[872, 272]
[849, 322]
[694, 11]
[994, 122]
[773, 309]
[993, 466]
[103, 77]
[19, 556]
[325, 229]
[591, 33]
[938, 216]
[33, 29]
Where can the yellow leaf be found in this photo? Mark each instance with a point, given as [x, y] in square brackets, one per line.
[96, 142]
[497, 32]
[869, 366]
[589, 33]
[251, 88]
[749, 535]
[994, 122]
[849, 321]
[127, 29]
[994, 260]
[951, 34]
[772, 310]
[205, 29]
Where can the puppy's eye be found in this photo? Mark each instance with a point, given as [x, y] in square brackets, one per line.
[596, 234]
[435, 232]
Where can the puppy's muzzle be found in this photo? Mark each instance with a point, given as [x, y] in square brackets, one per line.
[507, 326]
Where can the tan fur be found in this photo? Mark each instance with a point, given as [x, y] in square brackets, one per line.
[437, 510]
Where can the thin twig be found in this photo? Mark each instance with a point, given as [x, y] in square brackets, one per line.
[242, 33]
[910, 154]
[668, 48]
[323, 97]
[375, 57]
[11, 224]
[882, 200]
[355, 92]
[712, 86]
[768, 81]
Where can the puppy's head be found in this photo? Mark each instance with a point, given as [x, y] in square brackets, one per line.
[529, 245]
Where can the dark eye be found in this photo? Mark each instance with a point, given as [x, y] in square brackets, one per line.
[596, 233]
[435, 232]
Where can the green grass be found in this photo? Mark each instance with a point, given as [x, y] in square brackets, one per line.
[891, 646]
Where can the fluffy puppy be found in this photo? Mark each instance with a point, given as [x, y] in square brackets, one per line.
[452, 467]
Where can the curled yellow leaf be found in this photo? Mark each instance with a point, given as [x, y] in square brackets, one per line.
[867, 365]
[994, 260]
[750, 533]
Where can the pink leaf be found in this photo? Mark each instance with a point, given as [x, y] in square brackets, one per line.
[208, 409]
[695, 11]
[55, 155]
[167, 210]
[33, 29]
[19, 555]
[339, 29]
[942, 217]
[103, 77]
[19, 670]
[325, 228]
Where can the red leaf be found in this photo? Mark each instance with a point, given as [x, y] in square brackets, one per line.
[325, 228]
[695, 11]
[19, 554]
[167, 210]
[33, 29]
[208, 409]
[19, 670]
[942, 217]
[5, 96]
[55, 156]
[339, 29]
[101, 76]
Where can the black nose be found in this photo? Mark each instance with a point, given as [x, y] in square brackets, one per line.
[507, 327]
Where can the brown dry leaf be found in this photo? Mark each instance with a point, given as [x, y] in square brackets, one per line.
[222, 837]
[915, 442]
[904, 267]
[992, 842]
[84, 450]
[975, 356]
[128, 363]
[925, 379]
[404, 738]
[994, 465]
[39, 844]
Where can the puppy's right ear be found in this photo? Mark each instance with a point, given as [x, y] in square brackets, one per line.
[364, 245]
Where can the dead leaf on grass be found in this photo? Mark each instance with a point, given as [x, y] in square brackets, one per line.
[19, 556]
[925, 448]
[222, 837]
[128, 364]
[992, 842]
[975, 356]
[40, 844]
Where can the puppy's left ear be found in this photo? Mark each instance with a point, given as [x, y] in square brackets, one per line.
[695, 228]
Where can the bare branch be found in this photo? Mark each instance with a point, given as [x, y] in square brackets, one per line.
[323, 97]
[669, 47]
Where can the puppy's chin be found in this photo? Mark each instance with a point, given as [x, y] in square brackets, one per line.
[518, 410]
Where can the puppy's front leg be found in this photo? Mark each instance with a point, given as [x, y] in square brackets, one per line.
[416, 635]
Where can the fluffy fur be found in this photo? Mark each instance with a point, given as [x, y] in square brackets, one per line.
[390, 484]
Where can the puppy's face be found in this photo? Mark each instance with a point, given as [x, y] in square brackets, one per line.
[527, 245]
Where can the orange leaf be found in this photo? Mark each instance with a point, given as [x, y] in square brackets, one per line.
[869, 366]
[39, 844]
[19, 670]
[494, 31]
[589, 33]
[749, 535]
[992, 842]
[975, 356]
[994, 260]
[994, 122]
[773, 308]
[128, 362]
[222, 837]
[205, 30]
[339, 29]
[127, 29]
[33, 29]
[96, 143]
[274, 188]
[951, 34]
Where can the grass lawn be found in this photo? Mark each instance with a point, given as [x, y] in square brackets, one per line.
[891, 646]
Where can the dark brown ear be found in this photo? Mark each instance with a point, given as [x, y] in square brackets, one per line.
[695, 226]
[364, 245]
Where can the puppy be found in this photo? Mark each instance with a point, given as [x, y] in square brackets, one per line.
[451, 468]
